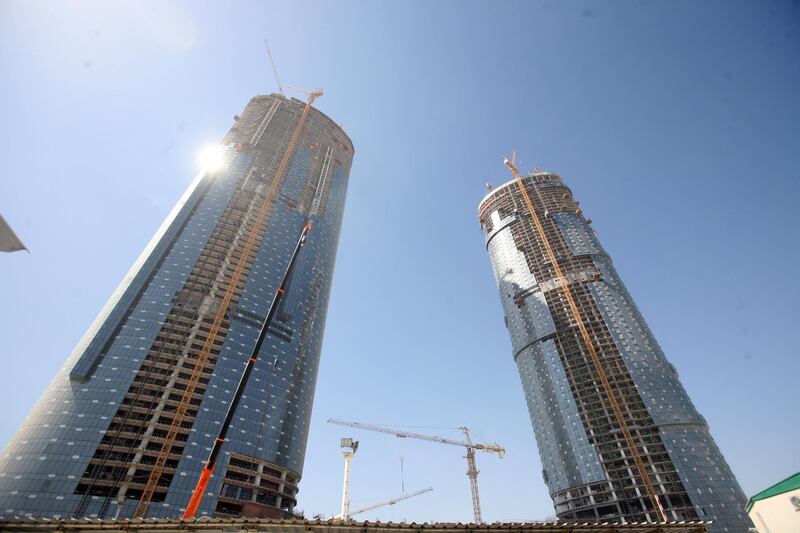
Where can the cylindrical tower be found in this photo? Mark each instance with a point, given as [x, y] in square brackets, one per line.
[137, 403]
[617, 434]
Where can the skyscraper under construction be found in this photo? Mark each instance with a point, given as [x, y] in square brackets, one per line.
[124, 428]
[617, 434]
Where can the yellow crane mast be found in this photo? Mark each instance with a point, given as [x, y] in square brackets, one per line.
[194, 378]
[611, 394]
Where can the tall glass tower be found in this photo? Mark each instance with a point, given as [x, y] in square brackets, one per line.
[617, 434]
[138, 402]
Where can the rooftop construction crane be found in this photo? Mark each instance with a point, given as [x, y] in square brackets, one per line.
[472, 470]
[274, 69]
[208, 469]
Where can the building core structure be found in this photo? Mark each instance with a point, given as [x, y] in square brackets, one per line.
[125, 427]
[617, 434]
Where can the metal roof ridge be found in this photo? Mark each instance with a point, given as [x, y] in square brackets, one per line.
[773, 490]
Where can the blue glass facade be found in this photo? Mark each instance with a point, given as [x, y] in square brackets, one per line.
[87, 447]
[588, 464]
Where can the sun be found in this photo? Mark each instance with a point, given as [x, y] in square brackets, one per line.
[210, 158]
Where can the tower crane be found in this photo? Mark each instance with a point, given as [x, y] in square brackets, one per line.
[274, 69]
[472, 470]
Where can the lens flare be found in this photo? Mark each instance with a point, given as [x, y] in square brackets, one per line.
[211, 158]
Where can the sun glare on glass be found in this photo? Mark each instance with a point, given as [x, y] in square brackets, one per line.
[210, 158]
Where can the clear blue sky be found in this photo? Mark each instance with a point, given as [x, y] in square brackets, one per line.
[675, 124]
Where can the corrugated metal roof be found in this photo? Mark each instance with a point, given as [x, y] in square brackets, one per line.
[338, 526]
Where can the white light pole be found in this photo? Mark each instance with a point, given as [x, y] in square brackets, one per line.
[349, 450]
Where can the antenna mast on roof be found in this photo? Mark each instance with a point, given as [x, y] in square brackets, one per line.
[274, 70]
